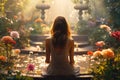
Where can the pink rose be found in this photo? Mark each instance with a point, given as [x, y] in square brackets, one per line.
[14, 34]
[100, 43]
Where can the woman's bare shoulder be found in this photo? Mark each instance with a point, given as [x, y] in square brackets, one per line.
[71, 39]
[48, 38]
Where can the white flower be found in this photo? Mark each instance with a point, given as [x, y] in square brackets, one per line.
[31, 29]
[14, 34]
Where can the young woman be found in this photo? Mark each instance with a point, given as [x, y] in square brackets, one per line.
[60, 49]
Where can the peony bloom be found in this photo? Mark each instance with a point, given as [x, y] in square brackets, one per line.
[90, 53]
[100, 43]
[14, 34]
[8, 40]
[97, 53]
[2, 58]
[17, 51]
[30, 67]
[107, 28]
[116, 35]
[38, 20]
[108, 53]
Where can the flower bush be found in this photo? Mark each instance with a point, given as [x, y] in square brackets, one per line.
[105, 65]
[113, 37]
[7, 43]
[6, 61]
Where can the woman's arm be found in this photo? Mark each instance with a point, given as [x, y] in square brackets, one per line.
[72, 52]
[47, 45]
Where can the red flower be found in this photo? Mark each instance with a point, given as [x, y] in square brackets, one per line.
[8, 40]
[90, 53]
[116, 35]
[30, 67]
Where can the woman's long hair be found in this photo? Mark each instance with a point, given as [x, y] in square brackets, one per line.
[60, 32]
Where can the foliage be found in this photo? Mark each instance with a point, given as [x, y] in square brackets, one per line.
[113, 6]
[75, 1]
[82, 27]
[112, 42]
[2, 4]
[97, 34]
[16, 76]
[37, 28]
[7, 60]
[6, 43]
[15, 5]
[107, 69]
[5, 23]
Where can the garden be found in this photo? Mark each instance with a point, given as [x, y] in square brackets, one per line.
[19, 21]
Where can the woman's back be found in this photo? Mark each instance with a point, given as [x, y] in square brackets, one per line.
[60, 64]
[60, 49]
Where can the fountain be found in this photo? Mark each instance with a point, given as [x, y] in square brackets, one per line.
[43, 7]
[81, 6]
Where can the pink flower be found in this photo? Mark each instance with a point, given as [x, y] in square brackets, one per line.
[107, 28]
[8, 40]
[14, 34]
[116, 35]
[30, 67]
[100, 43]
